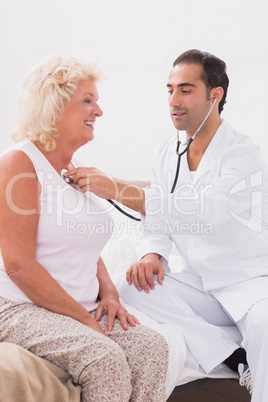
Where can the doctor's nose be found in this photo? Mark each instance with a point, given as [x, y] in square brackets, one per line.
[174, 100]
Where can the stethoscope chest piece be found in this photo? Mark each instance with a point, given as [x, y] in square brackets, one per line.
[67, 179]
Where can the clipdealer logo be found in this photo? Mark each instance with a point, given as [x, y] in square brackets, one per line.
[251, 216]
[179, 227]
[64, 201]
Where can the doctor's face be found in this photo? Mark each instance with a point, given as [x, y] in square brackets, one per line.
[188, 98]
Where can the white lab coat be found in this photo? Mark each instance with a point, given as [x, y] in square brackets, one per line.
[217, 219]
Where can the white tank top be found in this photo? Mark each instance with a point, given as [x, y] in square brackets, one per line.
[72, 230]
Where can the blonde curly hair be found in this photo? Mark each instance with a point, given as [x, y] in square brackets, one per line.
[44, 94]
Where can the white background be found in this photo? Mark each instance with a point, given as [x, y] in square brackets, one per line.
[136, 42]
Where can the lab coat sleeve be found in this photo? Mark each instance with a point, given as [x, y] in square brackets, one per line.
[236, 192]
[152, 239]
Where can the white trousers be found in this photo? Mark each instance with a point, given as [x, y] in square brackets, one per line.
[200, 317]
[254, 329]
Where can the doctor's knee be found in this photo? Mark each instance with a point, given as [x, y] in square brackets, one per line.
[128, 293]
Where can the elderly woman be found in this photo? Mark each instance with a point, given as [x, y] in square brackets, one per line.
[56, 297]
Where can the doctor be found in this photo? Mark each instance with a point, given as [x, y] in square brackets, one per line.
[216, 216]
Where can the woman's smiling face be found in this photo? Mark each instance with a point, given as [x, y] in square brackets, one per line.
[76, 123]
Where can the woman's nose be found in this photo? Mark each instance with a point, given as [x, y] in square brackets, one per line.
[98, 111]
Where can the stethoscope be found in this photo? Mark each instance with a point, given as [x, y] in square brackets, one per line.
[69, 180]
[187, 144]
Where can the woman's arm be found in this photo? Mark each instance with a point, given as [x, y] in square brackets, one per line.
[110, 303]
[19, 216]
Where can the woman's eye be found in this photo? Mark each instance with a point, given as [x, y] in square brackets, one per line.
[87, 100]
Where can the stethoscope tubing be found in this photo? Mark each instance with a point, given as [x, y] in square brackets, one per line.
[122, 211]
[188, 143]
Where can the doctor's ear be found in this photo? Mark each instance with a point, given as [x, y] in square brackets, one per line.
[217, 93]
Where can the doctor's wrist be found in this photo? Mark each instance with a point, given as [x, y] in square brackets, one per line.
[151, 257]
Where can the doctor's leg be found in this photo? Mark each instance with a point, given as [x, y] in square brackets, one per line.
[254, 328]
[197, 314]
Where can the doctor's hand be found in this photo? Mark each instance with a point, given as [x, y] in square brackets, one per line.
[141, 273]
[91, 179]
[104, 186]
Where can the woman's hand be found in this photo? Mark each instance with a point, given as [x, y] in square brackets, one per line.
[93, 324]
[109, 301]
[113, 308]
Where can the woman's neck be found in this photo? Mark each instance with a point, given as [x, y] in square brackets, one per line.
[59, 159]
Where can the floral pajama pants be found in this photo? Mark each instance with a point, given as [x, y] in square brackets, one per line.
[126, 366]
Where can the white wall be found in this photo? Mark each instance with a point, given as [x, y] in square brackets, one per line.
[136, 42]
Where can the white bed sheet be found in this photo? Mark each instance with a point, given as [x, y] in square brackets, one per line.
[118, 255]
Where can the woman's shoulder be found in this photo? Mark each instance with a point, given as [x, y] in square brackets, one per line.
[15, 161]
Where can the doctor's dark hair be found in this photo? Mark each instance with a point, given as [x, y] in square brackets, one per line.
[214, 70]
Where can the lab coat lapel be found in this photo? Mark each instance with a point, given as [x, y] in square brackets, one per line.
[185, 172]
[215, 149]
